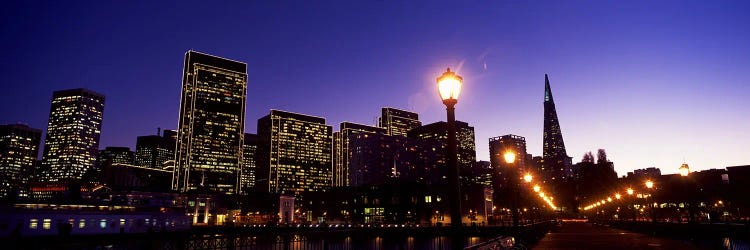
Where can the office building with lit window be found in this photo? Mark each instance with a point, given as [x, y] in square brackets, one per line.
[376, 159]
[155, 151]
[71, 145]
[19, 148]
[112, 155]
[341, 149]
[435, 136]
[294, 153]
[250, 147]
[211, 124]
[398, 122]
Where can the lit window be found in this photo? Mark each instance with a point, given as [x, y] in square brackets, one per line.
[33, 223]
[103, 223]
[428, 199]
[47, 224]
[81, 223]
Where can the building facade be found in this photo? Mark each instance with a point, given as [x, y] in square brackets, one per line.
[398, 122]
[120, 155]
[72, 142]
[155, 151]
[435, 136]
[341, 150]
[211, 125]
[249, 149]
[294, 153]
[376, 159]
[19, 148]
[555, 159]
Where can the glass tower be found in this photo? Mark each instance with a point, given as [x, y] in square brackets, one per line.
[72, 142]
[154, 151]
[294, 153]
[211, 124]
[341, 153]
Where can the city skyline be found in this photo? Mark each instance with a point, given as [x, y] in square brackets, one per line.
[674, 131]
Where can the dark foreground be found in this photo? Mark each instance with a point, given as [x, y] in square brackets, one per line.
[580, 235]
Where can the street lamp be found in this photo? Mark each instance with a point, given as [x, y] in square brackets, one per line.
[650, 185]
[527, 178]
[632, 203]
[449, 87]
[684, 171]
[510, 158]
[537, 188]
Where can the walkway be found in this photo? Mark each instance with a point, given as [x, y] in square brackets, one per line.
[579, 235]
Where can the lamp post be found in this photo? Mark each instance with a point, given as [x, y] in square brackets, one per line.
[630, 192]
[449, 87]
[510, 159]
[650, 186]
[684, 171]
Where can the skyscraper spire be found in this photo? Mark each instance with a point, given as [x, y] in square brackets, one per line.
[555, 157]
[547, 91]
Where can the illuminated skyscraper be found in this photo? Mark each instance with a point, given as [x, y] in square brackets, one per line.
[72, 142]
[376, 158]
[112, 155]
[341, 149]
[211, 125]
[435, 135]
[398, 122]
[155, 151]
[19, 147]
[555, 159]
[250, 147]
[294, 153]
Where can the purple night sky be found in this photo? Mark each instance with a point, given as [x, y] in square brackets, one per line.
[655, 83]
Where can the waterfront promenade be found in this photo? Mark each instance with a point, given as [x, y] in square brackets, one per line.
[582, 235]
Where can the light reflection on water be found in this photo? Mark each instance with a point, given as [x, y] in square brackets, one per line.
[313, 242]
[735, 244]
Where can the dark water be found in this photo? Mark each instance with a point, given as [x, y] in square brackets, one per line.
[299, 242]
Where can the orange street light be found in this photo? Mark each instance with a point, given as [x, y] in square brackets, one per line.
[449, 85]
[527, 177]
[509, 156]
[684, 170]
[630, 191]
[649, 184]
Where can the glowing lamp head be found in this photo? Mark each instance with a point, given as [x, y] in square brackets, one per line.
[449, 85]
[617, 196]
[649, 184]
[537, 188]
[630, 191]
[684, 170]
[527, 178]
[509, 156]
